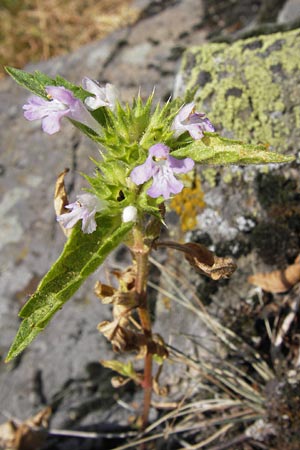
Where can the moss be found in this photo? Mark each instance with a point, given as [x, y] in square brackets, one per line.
[252, 88]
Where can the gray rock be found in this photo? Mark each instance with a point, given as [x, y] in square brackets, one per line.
[249, 90]
[290, 11]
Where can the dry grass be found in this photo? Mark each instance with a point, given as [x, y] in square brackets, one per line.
[33, 30]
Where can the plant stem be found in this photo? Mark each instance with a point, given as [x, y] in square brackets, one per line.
[141, 254]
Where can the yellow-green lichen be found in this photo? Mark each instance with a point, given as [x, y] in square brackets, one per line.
[297, 115]
[210, 174]
[252, 87]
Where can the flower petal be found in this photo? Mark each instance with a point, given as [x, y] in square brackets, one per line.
[83, 209]
[165, 184]
[181, 165]
[103, 95]
[61, 94]
[51, 123]
[143, 173]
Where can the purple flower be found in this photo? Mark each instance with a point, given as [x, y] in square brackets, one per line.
[189, 120]
[61, 103]
[161, 167]
[84, 208]
[103, 95]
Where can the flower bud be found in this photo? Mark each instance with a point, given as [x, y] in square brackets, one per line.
[129, 214]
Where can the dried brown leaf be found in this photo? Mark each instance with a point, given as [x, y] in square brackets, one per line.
[199, 252]
[118, 382]
[162, 391]
[27, 435]
[203, 260]
[61, 199]
[104, 292]
[278, 281]
[207, 263]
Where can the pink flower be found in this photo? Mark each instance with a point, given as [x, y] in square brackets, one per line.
[161, 167]
[189, 120]
[83, 209]
[61, 103]
[103, 95]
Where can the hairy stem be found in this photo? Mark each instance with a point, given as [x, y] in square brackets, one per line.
[141, 254]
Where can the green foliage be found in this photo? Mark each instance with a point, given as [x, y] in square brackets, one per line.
[82, 255]
[213, 149]
[37, 82]
[125, 369]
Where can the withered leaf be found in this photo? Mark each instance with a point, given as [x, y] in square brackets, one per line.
[104, 292]
[118, 382]
[27, 435]
[200, 252]
[162, 391]
[278, 281]
[61, 199]
[207, 263]
[203, 260]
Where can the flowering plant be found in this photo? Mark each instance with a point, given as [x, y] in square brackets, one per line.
[143, 152]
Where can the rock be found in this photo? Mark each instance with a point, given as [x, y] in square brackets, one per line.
[289, 12]
[250, 91]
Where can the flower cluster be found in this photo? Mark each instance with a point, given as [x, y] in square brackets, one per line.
[102, 96]
[191, 121]
[62, 103]
[84, 208]
[160, 166]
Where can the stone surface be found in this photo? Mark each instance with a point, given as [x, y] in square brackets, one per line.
[250, 91]
[290, 11]
[61, 366]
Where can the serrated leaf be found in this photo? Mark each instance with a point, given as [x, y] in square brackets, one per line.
[33, 82]
[37, 81]
[78, 91]
[82, 255]
[214, 149]
[98, 185]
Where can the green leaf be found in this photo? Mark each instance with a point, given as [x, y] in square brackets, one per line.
[37, 81]
[78, 91]
[89, 132]
[33, 82]
[214, 149]
[82, 255]
[125, 369]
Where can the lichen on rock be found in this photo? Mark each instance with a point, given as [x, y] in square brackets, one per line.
[250, 89]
